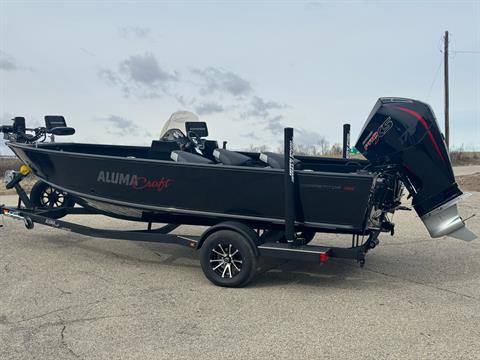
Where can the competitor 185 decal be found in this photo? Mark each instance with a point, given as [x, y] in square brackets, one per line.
[134, 181]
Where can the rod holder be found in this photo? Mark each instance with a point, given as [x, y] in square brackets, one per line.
[289, 185]
[346, 140]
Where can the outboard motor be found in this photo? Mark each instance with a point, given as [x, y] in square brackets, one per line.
[403, 133]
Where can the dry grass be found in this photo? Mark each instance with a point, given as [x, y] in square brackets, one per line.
[469, 182]
[459, 157]
[8, 163]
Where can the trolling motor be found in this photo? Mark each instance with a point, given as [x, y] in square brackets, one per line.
[404, 134]
[18, 132]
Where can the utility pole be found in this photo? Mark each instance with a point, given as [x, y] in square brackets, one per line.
[445, 75]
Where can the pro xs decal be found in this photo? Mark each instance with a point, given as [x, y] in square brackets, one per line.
[377, 135]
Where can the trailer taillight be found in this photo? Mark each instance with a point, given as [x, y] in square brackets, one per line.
[324, 257]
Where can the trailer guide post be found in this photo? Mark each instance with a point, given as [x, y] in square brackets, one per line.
[289, 178]
[346, 141]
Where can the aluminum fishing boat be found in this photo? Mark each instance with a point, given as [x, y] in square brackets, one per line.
[186, 178]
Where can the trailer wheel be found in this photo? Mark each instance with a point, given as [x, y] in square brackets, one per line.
[45, 196]
[228, 259]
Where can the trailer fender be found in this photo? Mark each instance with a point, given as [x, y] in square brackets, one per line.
[246, 231]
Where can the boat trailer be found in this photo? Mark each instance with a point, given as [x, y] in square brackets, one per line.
[252, 242]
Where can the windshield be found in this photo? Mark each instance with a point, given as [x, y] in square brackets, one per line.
[177, 121]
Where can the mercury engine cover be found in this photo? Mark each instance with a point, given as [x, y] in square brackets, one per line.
[405, 133]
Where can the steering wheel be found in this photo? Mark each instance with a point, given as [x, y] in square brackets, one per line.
[179, 137]
[196, 140]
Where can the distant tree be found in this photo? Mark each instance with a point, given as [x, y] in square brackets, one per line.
[258, 148]
[335, 150]
[301, 149]
[322, 148]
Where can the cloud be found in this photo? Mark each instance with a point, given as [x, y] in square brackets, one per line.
[145, 70]
[261, 108]
[308, 138]
[109, 76]
[251, 135]
[182, 100]
[121, 126]
[7, 63]
[313, 5]
[209, 108]
[86, 51]
[138, 32]
[301, 136]
[274, 125]
[140, 76]
[218, 80]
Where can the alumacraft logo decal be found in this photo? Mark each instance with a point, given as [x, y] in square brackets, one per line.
[134, 181]
[381, 131]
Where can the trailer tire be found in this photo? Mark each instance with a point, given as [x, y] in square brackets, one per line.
[43, 195]
[228, 259]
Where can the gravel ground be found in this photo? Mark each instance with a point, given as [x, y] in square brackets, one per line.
[68, 296]
[469, 182]
[466, 170]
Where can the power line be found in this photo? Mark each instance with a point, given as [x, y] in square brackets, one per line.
[434, 78]
[465, 52]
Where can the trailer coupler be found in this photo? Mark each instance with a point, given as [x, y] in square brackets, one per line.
[10, 213]
[28, 222]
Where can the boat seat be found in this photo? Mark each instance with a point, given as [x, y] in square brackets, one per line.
[227, 157]
[187, 157]
[275, 160]
[161, 150]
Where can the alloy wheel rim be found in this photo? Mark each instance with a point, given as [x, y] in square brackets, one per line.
[52, 198]
[226, 260]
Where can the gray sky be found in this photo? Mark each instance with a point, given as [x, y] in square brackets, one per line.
[117, 70]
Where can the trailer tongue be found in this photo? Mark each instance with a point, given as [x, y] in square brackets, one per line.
[404, 133]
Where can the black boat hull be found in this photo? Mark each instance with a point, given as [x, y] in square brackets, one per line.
[122, 185]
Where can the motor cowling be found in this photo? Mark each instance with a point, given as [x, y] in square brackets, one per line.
[405, 133]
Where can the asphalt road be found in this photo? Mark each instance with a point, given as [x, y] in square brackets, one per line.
[67, 296]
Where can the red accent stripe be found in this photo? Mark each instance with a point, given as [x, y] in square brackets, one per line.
[425, 125]
[408, 168]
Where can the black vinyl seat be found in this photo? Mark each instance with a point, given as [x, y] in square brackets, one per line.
[274, 160]
[161, 150]
[227, 157]
[187, 157]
